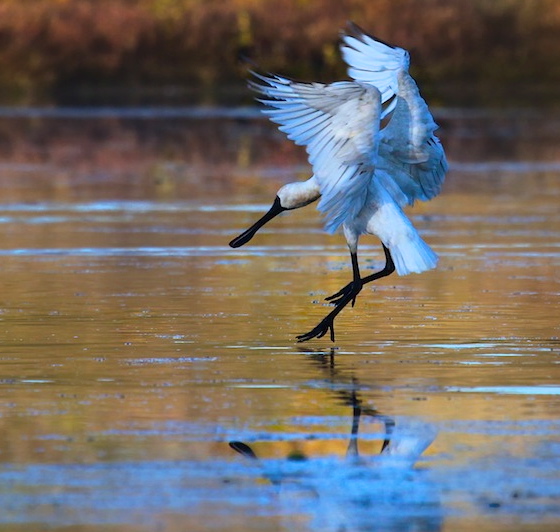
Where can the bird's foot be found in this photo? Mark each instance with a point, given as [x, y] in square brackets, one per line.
[345, 294]
[339, 300]
[348, 293]
[320, 330]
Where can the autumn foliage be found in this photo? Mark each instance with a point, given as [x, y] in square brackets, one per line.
[47, 44]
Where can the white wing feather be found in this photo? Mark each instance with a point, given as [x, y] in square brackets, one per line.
[409, 152]
[374, 62]
[339, 125]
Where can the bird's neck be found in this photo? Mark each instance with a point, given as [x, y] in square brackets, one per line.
[299, 194]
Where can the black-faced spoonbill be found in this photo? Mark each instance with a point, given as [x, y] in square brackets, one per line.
[372, 147]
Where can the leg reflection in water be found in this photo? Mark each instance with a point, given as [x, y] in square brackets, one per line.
[360, 491]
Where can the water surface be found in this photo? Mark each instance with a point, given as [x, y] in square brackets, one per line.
[136, 344]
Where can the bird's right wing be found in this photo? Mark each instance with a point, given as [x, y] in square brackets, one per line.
[375, 63]
[339, 125]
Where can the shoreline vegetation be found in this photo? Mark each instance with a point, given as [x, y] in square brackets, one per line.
[137, 51]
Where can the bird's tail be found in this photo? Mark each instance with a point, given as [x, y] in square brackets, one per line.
[412, 255]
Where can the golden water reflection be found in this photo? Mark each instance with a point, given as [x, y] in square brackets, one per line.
[131, 333]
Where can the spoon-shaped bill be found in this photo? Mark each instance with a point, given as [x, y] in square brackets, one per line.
[244, 237]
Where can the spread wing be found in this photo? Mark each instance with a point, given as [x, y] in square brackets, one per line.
[339, 125]
[374, 62]
[409, 151]
[411, 162]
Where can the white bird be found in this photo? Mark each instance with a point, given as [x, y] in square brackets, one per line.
[372, 147]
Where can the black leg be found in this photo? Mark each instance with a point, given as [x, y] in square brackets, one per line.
[387, 270]
[328, 322]
[356, 413]
[389, 428]
[346, 295]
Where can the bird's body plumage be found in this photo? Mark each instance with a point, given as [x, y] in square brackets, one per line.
[372, 147]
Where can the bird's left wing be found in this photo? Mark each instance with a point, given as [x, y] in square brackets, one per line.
[339, 125]
[411, 159]
[409, 150]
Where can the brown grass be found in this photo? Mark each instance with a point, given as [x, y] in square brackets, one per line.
[47, 44]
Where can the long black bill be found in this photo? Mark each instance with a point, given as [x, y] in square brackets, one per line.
[243, 238]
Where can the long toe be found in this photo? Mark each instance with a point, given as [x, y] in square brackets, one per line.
[345, 295]
[319, 331]
[341, 294]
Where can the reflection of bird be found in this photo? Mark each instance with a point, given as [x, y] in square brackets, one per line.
[404, 444]
[345, 388]
[344, 494]
[408, 442]
[373, 150]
